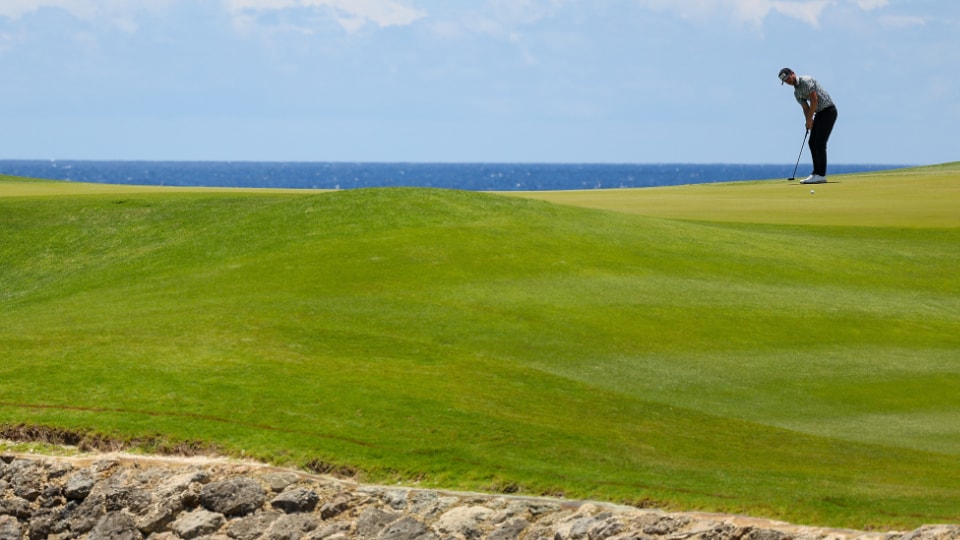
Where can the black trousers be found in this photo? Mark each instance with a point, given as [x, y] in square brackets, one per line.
[819, 135]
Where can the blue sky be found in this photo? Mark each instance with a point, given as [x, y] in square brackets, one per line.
[614, 81]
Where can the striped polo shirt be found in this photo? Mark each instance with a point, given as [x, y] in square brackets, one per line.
[807, 84]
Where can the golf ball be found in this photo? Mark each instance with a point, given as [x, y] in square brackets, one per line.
[812, 192]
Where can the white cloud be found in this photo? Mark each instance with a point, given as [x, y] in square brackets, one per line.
[524, 11]
[501, 19]
[868, 5]
[902, 21]
[119, 13]
[808, 12]
[14, 9]
[752, 11]
[351, 14]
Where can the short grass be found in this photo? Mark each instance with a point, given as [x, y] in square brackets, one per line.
[916, 198]
[743, 347]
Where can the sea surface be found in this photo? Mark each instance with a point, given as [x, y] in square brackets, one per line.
[467, 176]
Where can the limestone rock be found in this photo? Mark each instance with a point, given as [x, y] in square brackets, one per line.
[79, 485]
[296, 500]
[466, 521]
[115, 526]
[291, 527]
[407, 528]
[373, 520]
[199, 522]
[279, 481]
[136, 498]
[10, 528]
[251, 527]
[233, 497]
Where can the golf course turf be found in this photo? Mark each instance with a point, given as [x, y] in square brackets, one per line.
[745, 347]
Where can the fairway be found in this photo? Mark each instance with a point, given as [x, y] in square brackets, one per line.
[745, 347]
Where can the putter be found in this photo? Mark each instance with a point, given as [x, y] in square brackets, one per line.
[794, 177]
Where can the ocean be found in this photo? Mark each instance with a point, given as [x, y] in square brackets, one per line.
[466, 176]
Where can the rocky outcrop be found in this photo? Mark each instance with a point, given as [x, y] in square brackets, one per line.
[121, 497]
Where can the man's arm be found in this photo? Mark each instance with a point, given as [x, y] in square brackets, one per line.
[809, 110]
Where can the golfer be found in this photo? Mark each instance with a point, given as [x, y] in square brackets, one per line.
[820, 113]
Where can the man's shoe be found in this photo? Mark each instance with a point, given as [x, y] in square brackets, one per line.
[814, 179]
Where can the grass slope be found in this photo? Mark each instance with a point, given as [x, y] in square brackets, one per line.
[806, 371]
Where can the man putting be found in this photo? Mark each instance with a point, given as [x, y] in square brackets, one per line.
[820, 113]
